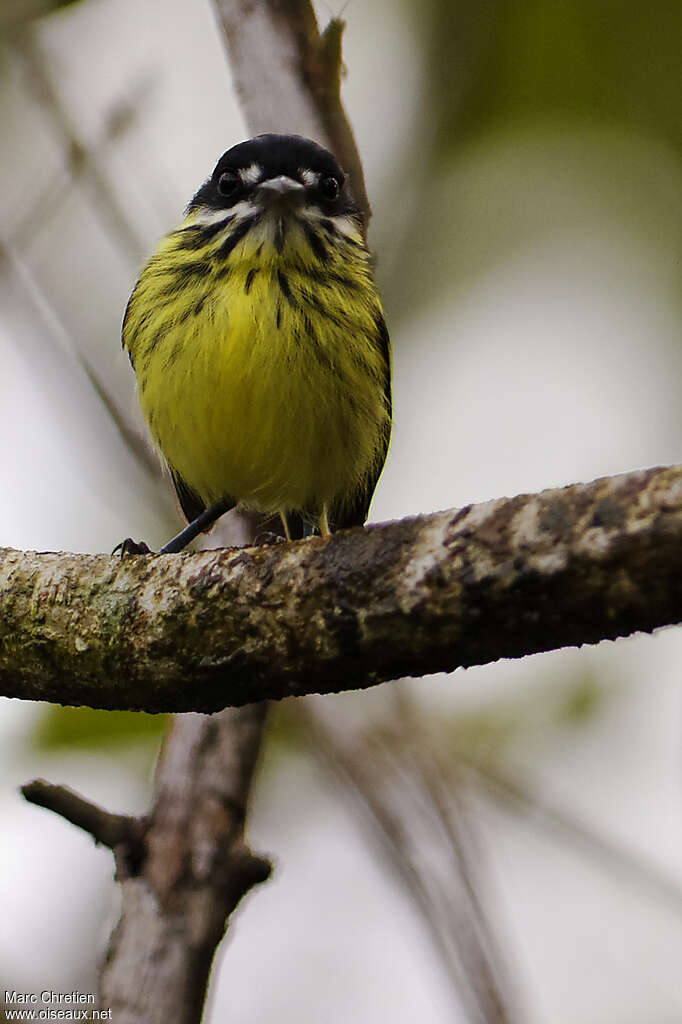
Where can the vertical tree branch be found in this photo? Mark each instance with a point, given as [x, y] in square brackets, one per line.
[194, 870]
[288, 77]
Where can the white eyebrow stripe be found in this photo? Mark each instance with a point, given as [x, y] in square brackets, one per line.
[310, 178]
[251, 174]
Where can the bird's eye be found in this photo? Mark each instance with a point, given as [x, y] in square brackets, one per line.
[229, 183]
[330, 188]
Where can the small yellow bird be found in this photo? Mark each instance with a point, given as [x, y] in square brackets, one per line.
[259, 345]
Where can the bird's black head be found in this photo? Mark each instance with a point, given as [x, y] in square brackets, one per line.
[277, 169]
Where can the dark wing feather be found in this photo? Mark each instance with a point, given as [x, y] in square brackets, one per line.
[355, 513]
[190, 502]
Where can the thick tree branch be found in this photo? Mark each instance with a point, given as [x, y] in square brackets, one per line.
[499, 580]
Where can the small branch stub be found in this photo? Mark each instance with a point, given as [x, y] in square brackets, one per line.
[104, 827]
[123, 834]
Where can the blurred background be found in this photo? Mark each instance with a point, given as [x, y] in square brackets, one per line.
[502, 844]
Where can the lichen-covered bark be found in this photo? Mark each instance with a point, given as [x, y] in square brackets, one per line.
[189, 869]
[503, 579]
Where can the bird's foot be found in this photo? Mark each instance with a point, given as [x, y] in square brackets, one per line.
[129, 547]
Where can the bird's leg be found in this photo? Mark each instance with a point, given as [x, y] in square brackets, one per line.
[324, 523]
[197, 526]
[285, 523]
[294, 524]
[298, 525]
[182, 539]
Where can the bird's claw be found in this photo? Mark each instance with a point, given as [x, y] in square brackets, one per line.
[129, 547]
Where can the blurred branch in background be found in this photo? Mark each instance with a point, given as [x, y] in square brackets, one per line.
[80, 162]
[195, 869]
[83, 161]
[52, 332]
[422, 825]
[414, 788]
[543, 812]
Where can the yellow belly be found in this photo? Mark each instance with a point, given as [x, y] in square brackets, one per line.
[257, 395]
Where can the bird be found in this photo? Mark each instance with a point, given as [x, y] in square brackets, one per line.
[260, 348]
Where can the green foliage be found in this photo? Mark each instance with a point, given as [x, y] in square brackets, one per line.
[17, 13]
[548, 706]
[582, 701]
[602, 60]
[85, 728]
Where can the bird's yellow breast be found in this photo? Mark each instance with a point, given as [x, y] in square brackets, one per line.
[260, 374]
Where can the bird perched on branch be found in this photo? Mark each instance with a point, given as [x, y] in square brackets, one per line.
[259, 345]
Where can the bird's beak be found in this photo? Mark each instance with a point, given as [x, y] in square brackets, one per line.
[281, 191]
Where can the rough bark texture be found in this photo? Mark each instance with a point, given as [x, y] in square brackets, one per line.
[499, 580]
[187, 873]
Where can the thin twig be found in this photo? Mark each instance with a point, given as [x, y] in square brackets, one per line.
[446, 794]
[81, 161]
[108, 206]
[118, 120]
[394, 837]
[53, 329]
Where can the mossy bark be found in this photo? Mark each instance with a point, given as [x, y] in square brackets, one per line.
[464, 587]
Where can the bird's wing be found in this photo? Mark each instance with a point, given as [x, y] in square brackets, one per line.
[355, 513]
[190, 502]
